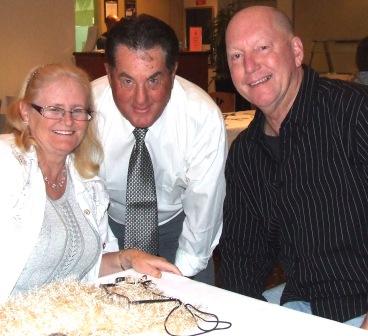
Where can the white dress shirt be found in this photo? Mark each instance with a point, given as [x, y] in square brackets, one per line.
[188, 149]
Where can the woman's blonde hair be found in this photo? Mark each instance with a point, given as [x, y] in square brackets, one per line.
[88, 155]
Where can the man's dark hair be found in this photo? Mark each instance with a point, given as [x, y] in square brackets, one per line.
[143, 32]
[361, 57]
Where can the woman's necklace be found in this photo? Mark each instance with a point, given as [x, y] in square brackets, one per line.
[59, 182]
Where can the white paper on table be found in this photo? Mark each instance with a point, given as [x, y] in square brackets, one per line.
[247, 315]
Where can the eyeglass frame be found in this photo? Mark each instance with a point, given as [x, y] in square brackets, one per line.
[40, 110]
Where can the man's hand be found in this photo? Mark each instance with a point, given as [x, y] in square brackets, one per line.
[365, 322]
[143, 262]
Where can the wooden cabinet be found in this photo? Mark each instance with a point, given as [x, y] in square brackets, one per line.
[92, 62]
[192, 65]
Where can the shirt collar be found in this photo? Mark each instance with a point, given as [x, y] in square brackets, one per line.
[154, 130]
[301, 112]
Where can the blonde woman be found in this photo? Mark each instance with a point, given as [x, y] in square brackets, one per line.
[53, 222]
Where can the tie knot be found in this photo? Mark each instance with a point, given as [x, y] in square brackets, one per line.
[140, 133]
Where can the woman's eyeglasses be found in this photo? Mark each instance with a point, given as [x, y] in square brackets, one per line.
[57, 113]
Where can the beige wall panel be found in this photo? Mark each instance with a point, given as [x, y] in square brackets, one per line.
[158, 8]
[332, 20]
[33, 32]
[170, 11]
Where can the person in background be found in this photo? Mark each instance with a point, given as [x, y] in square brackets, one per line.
[296, 179]
[361, 60]
[185, 140]
[53, 218]
[110, 21]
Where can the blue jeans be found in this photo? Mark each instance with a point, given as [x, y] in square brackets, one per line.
[273, 295]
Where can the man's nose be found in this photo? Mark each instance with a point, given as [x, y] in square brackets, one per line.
[140, 95]
[250, 63]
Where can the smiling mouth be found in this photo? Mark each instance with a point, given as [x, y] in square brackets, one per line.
[63, 132]
[141, 112]
[260, 81]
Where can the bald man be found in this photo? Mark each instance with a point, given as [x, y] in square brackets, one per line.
[297, 178]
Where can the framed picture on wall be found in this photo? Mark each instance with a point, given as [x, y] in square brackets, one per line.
[111, 8]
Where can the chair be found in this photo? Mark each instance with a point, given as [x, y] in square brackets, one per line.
[224, 100]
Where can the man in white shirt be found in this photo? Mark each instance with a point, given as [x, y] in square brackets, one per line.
[185, 139]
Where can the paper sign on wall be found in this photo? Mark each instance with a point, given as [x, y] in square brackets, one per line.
[195, 38]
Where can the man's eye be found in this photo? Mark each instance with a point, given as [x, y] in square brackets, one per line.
[235, 57]
[126, 82]
[154, 82]
[264, 47]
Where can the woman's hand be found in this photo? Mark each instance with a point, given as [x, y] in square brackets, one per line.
[140, 261]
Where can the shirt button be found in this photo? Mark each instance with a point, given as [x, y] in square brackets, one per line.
[87, 212]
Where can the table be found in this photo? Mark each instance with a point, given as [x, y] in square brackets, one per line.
[248, 316]
[345, 77]
[235, 122]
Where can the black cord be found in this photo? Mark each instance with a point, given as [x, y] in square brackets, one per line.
[197, 314]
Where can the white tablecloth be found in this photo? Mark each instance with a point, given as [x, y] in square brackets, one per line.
[248, 316]
[236, 122]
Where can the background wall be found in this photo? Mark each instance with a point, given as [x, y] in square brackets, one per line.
[170, 11]
[33, 32]
[340, 22]
[331, 20]
[42, 31]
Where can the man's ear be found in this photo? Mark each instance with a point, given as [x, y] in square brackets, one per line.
[173, 73]
[298, 50]
[108, 71]
[174, 70]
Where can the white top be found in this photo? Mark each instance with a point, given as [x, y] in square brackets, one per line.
[22, 205]
[187, 145]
